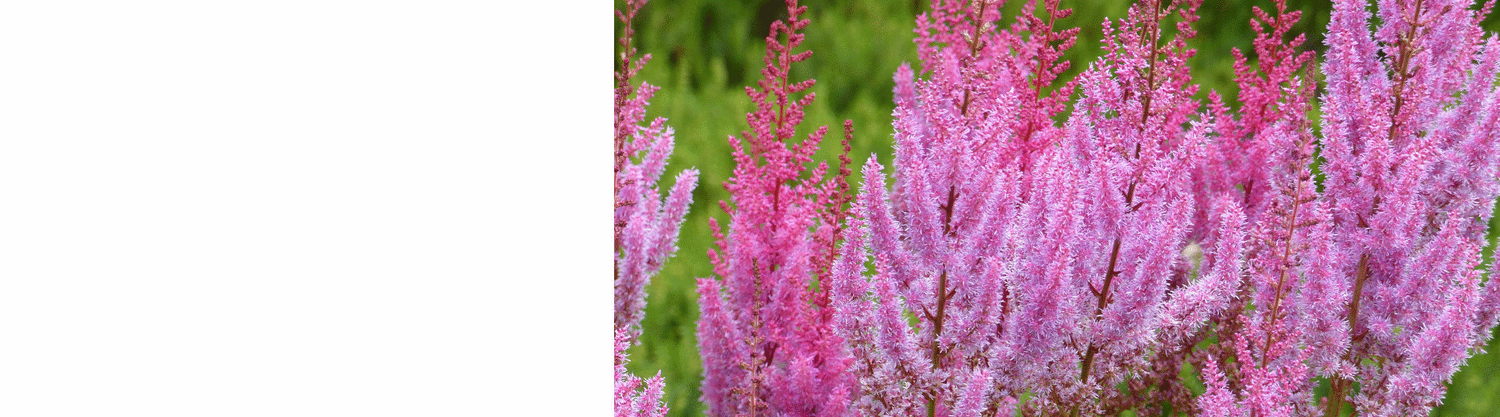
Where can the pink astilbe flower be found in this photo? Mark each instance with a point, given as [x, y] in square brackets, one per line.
[646, 226]
[1409, 127]
[1124, 304]
[766, 332]
[1267, 146]
[964, 140]
[1289, 275]
[1295, 292]
[1273, 102]
[1278, 382]
[1081, 267]
[1049, 260]
[635, 397]
[868, 315]
[1217, 400]
[1003, 75]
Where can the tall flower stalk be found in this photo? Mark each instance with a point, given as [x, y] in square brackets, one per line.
[646, 226]
[1131, 304]
[1033, 259]
[1012, 262]
[1289, 329]
[1409, 139]
[765, 333]
[965, 137]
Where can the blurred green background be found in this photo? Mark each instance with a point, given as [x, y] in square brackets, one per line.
[705, 52]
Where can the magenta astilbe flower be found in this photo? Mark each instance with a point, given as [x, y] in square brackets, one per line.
[1410, 145]
[869, 314]
[1217, 400]
[1129, 303]
[1295, 292]
[1081, 267]
[646, 226]
[995, 79]
[1281, 387]
[1048, 306]
[635, 397]
[766, 333]
[1290, 272]
[964, 139]
[651, 224]
[1434, 350]
[1034, 259]
[1274, 94]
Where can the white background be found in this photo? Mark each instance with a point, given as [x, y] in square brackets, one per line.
[304, 208]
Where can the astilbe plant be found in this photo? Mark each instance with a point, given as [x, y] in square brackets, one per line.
[1013, 264]
[766, 330]
[1289, 326]
[1034, 259]
[646, 226]
[1409, 125]
[1390, 247]
[1273, 101]
[964, 138]
[1123, 305]
[635, 397]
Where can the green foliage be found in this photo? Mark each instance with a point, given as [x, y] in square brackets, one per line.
[706, 52]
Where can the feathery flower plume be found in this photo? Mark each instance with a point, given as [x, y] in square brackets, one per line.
[766, 332]
[964, 139]
[1267, 146]
[1080, 267]
[1122, 303]
[994, 242]
[635, 397]
[1294, 290]
[1410, 144]
[1274, 94]
[646, 226]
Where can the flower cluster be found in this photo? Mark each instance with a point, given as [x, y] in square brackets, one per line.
[646, 226]
[1022, 256]
[635, 397]
[766, 333]
[965, 137]
[1289, 325]
[1410, 144]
